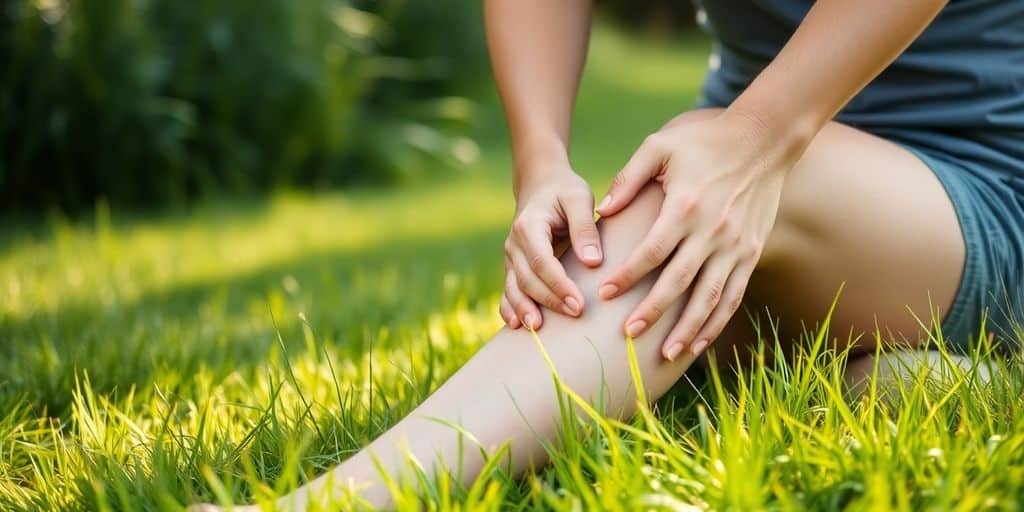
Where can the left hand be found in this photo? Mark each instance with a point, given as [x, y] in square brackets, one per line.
[722, 179]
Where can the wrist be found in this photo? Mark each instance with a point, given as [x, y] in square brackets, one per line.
[539, 162]
[538, 149]
[776, 135]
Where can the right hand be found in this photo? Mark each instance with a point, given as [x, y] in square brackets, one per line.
[554, 204]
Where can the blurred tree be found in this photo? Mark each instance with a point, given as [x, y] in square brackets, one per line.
[156, 101]
[658, 17]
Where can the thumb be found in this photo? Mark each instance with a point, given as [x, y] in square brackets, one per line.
[579, 214]
[645, 163]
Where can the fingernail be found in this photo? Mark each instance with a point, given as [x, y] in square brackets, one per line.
[572, 306]
[635, 328]
[698, 347]
[673, 350]
[530, 320]
[591, 253]
[604, 202]
[607, 291]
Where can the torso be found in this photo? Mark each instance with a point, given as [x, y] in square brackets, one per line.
[964, 73]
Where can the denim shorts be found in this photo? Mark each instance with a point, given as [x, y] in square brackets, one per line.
[985, 181]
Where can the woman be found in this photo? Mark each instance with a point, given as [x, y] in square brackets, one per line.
[873, 143]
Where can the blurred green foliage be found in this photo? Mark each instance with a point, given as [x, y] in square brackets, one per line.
[655, 17]
[158, 101]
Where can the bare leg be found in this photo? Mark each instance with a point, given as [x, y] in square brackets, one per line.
[905, 365]
[856, 209]
[505, 392]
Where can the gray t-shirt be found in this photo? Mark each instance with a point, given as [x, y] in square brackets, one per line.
[964, 73]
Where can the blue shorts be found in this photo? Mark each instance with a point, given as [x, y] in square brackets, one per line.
[985, 181]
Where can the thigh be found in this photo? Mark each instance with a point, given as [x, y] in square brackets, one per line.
[862, 214]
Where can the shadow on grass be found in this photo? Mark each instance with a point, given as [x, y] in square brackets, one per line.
[229, 325]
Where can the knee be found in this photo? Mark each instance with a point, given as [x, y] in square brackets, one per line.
[620, 234]
[617, 234]
[623, 231]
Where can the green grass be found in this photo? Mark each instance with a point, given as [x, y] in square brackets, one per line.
[225, 353]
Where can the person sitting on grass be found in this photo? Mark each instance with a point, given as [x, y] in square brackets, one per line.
[868, 144]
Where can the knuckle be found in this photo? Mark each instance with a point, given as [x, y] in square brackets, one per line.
[529, 292]
[656, 309]
[655, 252]
[688, 203]
[520, 226]
[735, 303]
[725, 227]
[683, 277]
[656, 141]
[619, 180]
[544, 296]
[536, 262]
[750, 249]
[715, 292]
[558, 286]
[508, 245]
[575, 195]
[587, 230]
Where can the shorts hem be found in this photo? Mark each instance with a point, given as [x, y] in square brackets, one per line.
[956, 327]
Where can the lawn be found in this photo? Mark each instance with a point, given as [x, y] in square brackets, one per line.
[236, 348]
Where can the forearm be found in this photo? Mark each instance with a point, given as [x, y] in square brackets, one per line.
[838, 49]
[537, 50]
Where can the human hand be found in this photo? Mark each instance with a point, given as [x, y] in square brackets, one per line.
[555, 204]
[722, 179]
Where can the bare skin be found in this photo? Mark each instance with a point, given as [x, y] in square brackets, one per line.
[505, 394]
[788, 202]
[722, 174]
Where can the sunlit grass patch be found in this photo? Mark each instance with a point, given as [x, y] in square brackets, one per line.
[235, 351]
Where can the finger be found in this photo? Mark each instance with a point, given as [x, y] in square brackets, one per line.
[675, 279]
[732, 299]
[645, 163]
[663, 238]
[579, 212]
[705, 297]
[524, 307]
[537, 258]
[508, 314]
[534, 287]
